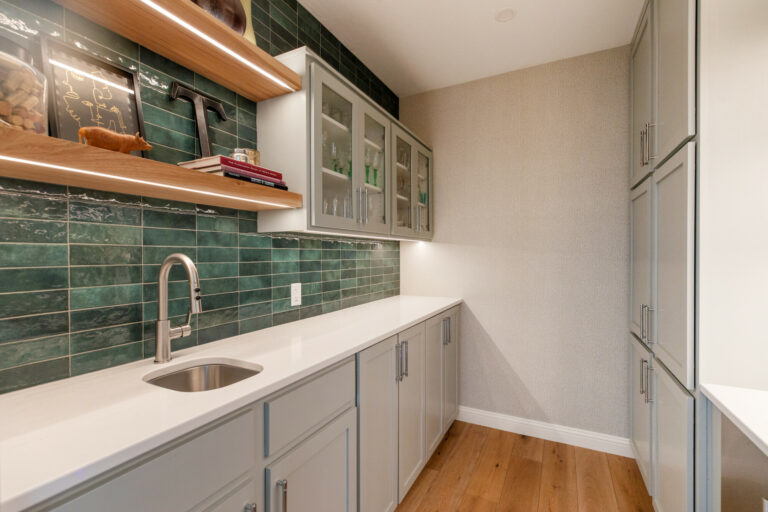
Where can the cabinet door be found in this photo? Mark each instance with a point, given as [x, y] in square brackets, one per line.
[411, 408]
[374, 171]
[676, 74]
[640, 409]
[675, 184]
[319, 474]
[450, 368]
[423, 192]
[403, 193]
[641, 210]
[334, 121]
[433, 383]
[377, 405]
[641, 70]
[674, 444]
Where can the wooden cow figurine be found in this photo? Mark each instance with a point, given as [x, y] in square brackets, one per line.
[107, 139]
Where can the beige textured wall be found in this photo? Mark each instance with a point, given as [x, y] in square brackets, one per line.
[532, 230]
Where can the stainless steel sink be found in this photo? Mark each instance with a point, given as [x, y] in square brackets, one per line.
[202, 375]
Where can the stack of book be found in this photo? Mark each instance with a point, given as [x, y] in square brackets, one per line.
[231, 168]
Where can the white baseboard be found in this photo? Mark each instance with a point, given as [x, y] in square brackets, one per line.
[577, 437]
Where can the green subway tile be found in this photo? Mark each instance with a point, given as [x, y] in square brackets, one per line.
[101, 35]
[94, 318]
[152, 96]
[310, 254]
[104, 213]
[217, 91]
[253, 296]
[247, 215]
[245, 118]
[310, 288]
[248, 226]
[32, 303]
[331, 275]
[348, 283]
[255, 282]
[255, 324]
[176, 308]
[345, 264]
[330, 306]
[280, 305]
[25, 352]
[310, 300]
[214, 286]
[331, 254]
[309, 266]
[169, 155]
[214, 270]
[33, 327]
[217, 254]
[32, 231]
[23, 23]
[348, 254]
[24, 255]
[247, 105]
[284, 267]
[332, 264]
[163, 219]
[329, 296]
[152, 59]
[310, 243]
[98, 276]
[216, 239]
[255, 269]
[222, 300]
[281, 292]
[285, 279]
[99, 50]
[285, 255]
[27, 279]
[32, 187]
[169, 237]
[255, 255]
[34, 207]
[255, 241]
[106, 358]
[176, 290]
[169, 204]
[253, 310]
[310, 311]
[86, 341]
[218, 317]
[217, 333]
[204, 209]
[286, 316]
[348, 274]
[104, 234]
[156, 255]
[104, 255]
[81, 298]
[223, 138]
[221, 224]
[285, 243]
[159, 135]
[33, 374]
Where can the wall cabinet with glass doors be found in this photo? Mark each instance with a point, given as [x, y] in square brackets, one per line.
[336, 147]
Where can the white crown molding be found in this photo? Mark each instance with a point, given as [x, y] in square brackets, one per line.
[607, 443]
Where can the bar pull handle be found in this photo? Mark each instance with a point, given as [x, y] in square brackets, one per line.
[284, 485]
[643, 366]
[450, 331]
[398, 363]
[648, 393]
[445, 331]
[648, 310]
[643, 311]
[365, 192]
[405, 371]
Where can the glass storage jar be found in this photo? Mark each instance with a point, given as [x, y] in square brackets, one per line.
[23, 91]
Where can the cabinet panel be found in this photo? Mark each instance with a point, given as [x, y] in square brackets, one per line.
[319, 474]
[423, 191]
[641, 211]
[676, 74]
[674, 444]
[411, 408]
[451, 368]
[675, 183]
[377, 388]
[433, 383]
[402, 188]
[376, 211]
[642, 108]
[640, 409]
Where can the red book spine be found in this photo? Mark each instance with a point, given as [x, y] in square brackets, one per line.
[250, 174]
[237, 164]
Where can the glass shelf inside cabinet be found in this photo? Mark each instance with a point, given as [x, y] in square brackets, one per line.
[337, 154]
[374, 139]
[403, 191]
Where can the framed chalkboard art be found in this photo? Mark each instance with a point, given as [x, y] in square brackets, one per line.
[88, 91]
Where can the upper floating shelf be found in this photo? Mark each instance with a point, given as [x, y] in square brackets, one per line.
[27, 156]
[188, 35]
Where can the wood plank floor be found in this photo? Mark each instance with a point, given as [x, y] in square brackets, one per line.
[479, 469]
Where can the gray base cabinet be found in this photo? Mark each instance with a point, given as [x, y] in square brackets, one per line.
[641, 365]
[410, 397]
[450, 339]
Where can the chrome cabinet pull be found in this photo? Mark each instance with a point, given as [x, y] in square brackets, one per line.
[643, 366]
[445, 331]
[649, 156]
[284, 485]
[360, 205]
[398, 363]
[366, 204]
[642, 148]
[405, 371]
[648, 310]
[450, 333]
[643, 332]
[648, 393]
[250, 507]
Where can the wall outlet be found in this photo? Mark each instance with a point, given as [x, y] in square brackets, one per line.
[295, 294]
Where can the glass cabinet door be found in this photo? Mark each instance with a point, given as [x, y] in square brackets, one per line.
[402, 149]
[374, 171]
[423, 191]
[333, 180]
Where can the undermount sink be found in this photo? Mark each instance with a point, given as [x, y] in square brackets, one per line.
[202, 375]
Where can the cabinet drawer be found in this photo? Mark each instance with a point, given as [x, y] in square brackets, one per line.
[296, 413]
[181, 478]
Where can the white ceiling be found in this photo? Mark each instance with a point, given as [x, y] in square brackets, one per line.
[420, 45]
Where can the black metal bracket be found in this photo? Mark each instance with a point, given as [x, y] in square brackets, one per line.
[202, 103]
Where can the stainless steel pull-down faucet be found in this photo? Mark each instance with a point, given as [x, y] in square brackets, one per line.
[165, 333]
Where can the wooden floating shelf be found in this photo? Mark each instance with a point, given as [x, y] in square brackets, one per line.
[335, 123]
[231, 62]
[27, 156]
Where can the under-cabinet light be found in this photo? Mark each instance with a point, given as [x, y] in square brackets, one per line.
[134, 180]
[89, 75]
[217, 44]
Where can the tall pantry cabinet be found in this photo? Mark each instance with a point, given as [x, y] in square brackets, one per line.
[662, 228]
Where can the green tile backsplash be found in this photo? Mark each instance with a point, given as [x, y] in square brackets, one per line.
[78, 268]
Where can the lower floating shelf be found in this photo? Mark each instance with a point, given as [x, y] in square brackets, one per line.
[27, 156]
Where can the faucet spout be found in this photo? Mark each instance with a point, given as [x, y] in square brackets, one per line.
[164, 332]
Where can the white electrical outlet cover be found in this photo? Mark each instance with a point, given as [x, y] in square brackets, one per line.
[296, 294]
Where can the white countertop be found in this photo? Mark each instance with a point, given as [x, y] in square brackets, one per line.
[746, 408]
[58, 435]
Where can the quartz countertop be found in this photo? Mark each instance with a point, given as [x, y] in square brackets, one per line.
[747, 408]
[58, 435]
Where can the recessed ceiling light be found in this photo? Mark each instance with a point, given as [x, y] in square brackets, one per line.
[505, 15]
